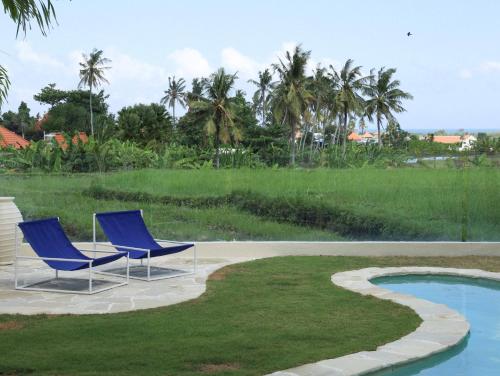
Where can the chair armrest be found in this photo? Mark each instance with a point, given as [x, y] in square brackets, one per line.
[170, 241]
[124, 247]
[53, 259]
[99, 250]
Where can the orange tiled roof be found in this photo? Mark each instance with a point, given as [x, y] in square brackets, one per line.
[448, 139]
[354, 137]
[8, 138]
[61, 141]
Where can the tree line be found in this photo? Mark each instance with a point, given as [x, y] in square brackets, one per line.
[310, 111]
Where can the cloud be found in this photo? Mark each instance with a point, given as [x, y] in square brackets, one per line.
[125, 67]
[465, 74]
[235, 61]
[27, 54]
[490, 66]
[190, 63]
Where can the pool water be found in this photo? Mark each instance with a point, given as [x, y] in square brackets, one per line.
[478, 301]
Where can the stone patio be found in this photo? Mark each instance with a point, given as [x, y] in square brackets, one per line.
[136, 295]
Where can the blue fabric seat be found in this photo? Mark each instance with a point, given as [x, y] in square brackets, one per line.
[48, 240]
[127, 229]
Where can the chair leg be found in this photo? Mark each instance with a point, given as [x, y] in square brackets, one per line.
[90, 278]
[16, 247]
[194, 259]
[149, 266]
[128, 268]
[57, 274]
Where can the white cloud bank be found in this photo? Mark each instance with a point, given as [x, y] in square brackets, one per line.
[189, 63]
[26, 54]
[132, 77]
[490, 66]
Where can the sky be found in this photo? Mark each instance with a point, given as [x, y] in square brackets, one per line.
[451, 63]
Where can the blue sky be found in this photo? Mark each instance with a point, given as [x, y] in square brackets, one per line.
[451, 65]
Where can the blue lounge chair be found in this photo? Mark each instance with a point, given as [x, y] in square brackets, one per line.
[50, 243]
[127, 232]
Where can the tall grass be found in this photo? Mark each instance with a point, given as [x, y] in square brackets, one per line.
[433, 198]
[41, 196]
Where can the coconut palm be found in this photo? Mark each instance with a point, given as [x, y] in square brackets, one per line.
[348, 83]
[384, 98]
[92, 75]
[196, 91]
[174, 94]
[23, 12]
[291, 98]
[4, 85]
[217, 108]
[321, 106]
[262, 95]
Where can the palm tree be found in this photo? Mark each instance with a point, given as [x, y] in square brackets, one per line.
[23, 12]
[321, 106]
[92, 75]
[196, 91]
[384, 98]
[4, 85]
[175, 93]
[217, 108]
[348, 84]
[291, 97]
[262, 96]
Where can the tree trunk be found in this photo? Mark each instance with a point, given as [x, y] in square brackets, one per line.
[379, 124]
[344, 146]
[91, 114]
[263, 112]
[217, 151]
[173, 113]
[292, 157]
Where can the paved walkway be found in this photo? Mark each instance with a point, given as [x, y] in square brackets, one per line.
[136, 295]
[212, 255]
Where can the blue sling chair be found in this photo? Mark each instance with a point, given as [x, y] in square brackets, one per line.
[50, 243]
[127, 232]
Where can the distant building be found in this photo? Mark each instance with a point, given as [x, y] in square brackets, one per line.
[61, 140]
[465, 142]
[447, 139]
[365, 138]
[468, 142]
[11, 139]
[354, 137]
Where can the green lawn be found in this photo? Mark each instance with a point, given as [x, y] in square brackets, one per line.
[255, 318]
[443, 200]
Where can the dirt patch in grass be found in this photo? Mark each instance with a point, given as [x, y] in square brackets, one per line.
[220, 274]
[10, 325]
[216, 368]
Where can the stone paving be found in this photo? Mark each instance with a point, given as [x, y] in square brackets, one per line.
[136, 295]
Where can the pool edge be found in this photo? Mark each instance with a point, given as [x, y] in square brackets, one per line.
[441, 327]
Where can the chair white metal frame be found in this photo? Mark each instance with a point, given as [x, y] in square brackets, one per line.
[148, 263]
[91, 270]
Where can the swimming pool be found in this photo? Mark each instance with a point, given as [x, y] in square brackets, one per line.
[476, 299]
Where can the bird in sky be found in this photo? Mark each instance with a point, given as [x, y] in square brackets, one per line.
[409, 34]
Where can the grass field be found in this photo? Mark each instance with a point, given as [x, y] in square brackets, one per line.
[255, 318]
[444, 200]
